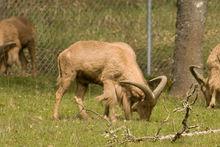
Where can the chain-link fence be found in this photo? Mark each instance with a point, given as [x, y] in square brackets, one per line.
[59, 23]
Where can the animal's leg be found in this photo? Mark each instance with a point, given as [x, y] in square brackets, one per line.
[207, 99]
[126, 107]
[64, 83]
[212, 103]
[31, 49]
[13, 57]
[110, 96]
[106, 112]
[100, 98]
[24, 62]
[79, 97]
[3, 68]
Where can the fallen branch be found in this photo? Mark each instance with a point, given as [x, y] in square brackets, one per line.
[171, 136]
[96, 113]
[187, 108]
[131, 138]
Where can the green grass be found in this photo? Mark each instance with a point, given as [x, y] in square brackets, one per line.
[26, 108]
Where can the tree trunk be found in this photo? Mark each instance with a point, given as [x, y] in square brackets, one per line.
[189, 33]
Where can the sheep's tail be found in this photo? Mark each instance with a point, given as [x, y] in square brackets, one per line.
[59, 71]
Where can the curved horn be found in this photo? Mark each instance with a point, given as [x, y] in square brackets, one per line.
[157, 91]
[147, 91]
[199, 78]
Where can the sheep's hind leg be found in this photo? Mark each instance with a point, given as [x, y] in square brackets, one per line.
[79, 97]
[24, 63]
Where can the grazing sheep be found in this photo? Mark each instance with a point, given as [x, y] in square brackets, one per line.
[20, 31]
[210, 86]
[113, 66]
[4, 56]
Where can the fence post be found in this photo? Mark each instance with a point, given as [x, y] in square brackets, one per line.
[149, 37]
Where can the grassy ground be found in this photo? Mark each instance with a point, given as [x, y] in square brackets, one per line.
[26, 109]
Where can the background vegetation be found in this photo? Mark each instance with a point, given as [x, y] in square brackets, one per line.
[26, 103]
[60, 23]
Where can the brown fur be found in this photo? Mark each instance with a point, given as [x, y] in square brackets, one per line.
[20, 31]
[105, 64]
[211, 85]
[213, 63]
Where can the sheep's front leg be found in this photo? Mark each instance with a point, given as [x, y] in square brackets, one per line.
[13, 57]
[101, 98]
[111, 99]
[126, 107]
[212, 103]
[79, 97]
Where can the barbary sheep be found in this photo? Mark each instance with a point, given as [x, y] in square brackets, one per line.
[210, 86]
[3, 55]
[113, 66]
[20, 31]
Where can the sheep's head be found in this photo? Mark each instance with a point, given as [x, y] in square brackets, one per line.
[203, 82]
[143, 108]
[146, 102]
[3, 55]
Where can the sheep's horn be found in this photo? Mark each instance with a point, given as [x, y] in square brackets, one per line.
[157, 91]
[200, 79]
[149, 95]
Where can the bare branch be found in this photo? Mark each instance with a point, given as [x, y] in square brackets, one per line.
[187, 107]
[96, 113]
[161, 138]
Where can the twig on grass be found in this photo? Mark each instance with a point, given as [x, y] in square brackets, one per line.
[187, 107]
[128, 137]
[96, 113]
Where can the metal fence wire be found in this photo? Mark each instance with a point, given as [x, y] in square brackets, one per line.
[59, 23]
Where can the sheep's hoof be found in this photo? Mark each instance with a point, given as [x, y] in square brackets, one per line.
[84, 116]
[109, 119]
[211, 106]
[25, 74]
[105, 117]
[113, 119]
[56, 117]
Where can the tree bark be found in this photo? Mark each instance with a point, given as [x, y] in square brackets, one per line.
[189, 33]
